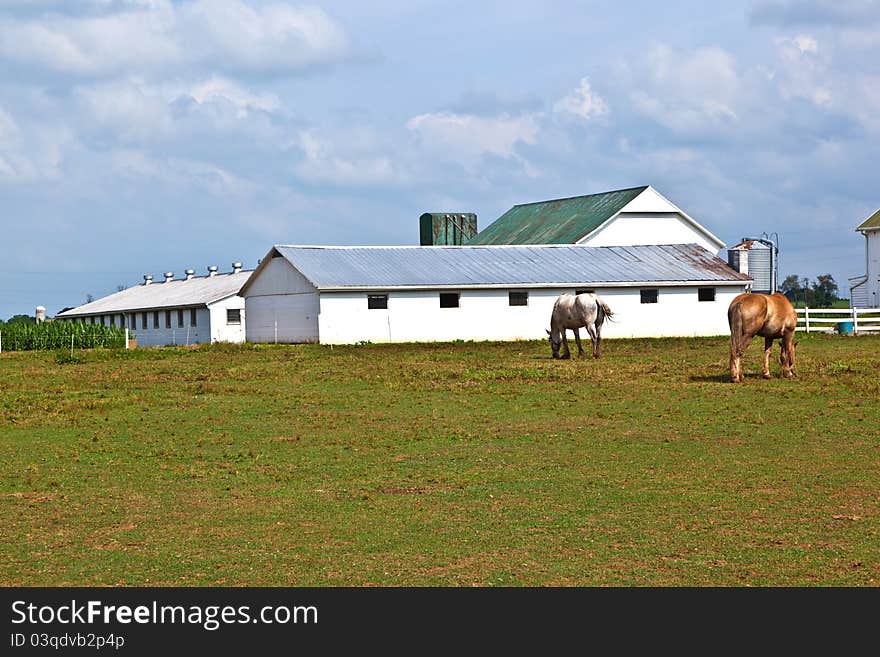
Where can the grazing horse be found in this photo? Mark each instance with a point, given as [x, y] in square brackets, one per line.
[573, 312]
[769, 315]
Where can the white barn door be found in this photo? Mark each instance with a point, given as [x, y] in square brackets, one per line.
[287, 318]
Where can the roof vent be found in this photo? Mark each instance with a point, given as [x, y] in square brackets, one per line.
[236, 267]
[189, 273]
[169, 275]
[147, 279]
[212, 270]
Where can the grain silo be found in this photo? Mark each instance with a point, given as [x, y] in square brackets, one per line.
[757, 257]
[447, 228]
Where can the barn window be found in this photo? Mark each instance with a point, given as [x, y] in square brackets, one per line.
[155, 319]
[517, 298]
[648, 296]
[133, 321]
[377, 301]
[233, 316]
[706, 294]
[585, 291]
[192, 316]
[449, 299]
[144, 321]
[112, 320]
[179, 318]
[167, 319]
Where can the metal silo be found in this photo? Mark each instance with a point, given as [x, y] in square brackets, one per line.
[447, 228]
[757, 257]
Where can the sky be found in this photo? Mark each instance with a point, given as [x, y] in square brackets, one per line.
[145, 136]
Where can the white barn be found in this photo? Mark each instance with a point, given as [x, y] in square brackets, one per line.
[623, 217]
[865, 290]
[424, 294]
[183, 311]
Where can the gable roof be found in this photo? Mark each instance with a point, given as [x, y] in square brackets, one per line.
[871, 223]
[431, 267]
[197, 291]
[558, 221]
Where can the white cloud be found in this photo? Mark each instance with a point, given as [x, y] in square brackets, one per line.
[324, 163]
[582, 102]
[470, 136]
[805, 69]
[142, 36]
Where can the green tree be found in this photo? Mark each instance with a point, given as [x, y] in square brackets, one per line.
[21, 319]
[797, 289]
[824, 291]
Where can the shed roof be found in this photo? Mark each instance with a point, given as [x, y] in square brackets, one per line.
[559, 221]
[871, 223]
[197, 291]
[385, 267]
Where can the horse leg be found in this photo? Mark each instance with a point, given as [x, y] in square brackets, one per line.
[577, 338]
[786, 357]
[565, 351]
[768, 345]
[594, 336]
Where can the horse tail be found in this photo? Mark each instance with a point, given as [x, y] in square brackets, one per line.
[737, 332]
[603, 311]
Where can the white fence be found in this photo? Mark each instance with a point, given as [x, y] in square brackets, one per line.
[839, 320]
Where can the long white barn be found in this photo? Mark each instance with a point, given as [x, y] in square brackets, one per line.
[183, 311]
[423, 294]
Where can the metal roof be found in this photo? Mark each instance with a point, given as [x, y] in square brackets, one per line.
[383, 267]
[196, 291]
[871, 222]
[560, 221]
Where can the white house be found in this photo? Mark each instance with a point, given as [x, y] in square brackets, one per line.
[623, 217]
[441, 293]
[182, 311]
[865, 290]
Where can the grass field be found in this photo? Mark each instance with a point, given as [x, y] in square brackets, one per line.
[456, 464]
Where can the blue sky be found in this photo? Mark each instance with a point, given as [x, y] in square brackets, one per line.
[144, 136]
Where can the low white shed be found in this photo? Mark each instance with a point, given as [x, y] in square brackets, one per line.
[424, 294]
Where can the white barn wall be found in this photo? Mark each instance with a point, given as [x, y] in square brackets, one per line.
[281, 305]
[416, 316]
[221, 330]
[661, 228]
[873, 283]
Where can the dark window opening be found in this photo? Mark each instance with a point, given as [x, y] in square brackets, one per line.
[144, 321]
[449, 299]
[167, 319]
[585, 291]
[706, 294]
[648, 296]
[155, 319]
[112, 320]
[233, 316]
[179, 318]
[192, 316]
[518, 298]
[377, 301]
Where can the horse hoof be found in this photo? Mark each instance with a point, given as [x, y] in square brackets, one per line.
[765, 375]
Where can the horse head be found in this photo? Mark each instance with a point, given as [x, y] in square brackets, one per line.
[555, 338]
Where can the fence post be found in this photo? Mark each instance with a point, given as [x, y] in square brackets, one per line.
[1, 342]
[807, 318]
[855, 316]
[126, 337]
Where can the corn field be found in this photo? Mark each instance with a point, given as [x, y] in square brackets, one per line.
[57, 335]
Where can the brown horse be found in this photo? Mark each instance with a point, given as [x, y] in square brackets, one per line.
[769, 315]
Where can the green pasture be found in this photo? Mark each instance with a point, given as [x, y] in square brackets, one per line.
[458, 464]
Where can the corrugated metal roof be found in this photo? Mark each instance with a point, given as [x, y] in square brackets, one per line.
[362, 267]
[197, 291]
[871, 222]
[560, 221]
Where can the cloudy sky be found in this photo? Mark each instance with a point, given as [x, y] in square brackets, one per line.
[143, 136]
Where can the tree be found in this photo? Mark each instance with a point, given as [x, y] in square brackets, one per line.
[21, 319]
[824, 291]
[797, 289]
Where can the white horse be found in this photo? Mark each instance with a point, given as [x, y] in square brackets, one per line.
[573, 312]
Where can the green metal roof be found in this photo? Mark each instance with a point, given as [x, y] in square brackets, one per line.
[871, 222]
[560, 221]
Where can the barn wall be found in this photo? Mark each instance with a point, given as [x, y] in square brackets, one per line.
[176, 335]
[486, 315]
[642, 228]
[873, 282]
[221, 329]
[278, 277]
[281, 305]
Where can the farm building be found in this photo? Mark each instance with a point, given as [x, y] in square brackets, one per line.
[424, 294]
[865, 290]
[182, 311]
[624, 217]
